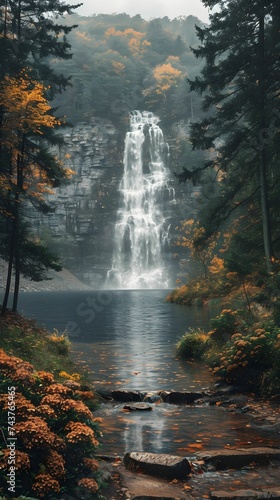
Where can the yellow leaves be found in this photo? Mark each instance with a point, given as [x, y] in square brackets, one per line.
[217, 265]
[136, 44]
[25, 106]
[118, 67]
[165, 76]
[166, 72]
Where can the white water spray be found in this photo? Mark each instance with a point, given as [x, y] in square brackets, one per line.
[141, 230]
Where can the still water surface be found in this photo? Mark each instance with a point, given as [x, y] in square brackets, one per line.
[126, 340]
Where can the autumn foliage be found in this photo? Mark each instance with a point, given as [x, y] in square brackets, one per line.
[57, 435]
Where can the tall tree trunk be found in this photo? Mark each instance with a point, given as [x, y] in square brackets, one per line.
[20, 162]
[10, 270]
[267, 238]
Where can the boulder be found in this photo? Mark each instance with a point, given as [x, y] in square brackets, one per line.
[127, 395]
[176, 397]
[161, 465]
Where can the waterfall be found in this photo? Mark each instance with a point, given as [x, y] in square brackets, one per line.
[141, 230]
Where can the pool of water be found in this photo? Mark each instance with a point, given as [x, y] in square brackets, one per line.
[126, 340]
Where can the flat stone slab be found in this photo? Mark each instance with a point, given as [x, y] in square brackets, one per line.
[154, 464]
[176, 397]
[246, 494]
[138, 407]
[236, 459]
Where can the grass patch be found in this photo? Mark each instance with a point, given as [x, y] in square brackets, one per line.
[193, 344]
[25, 339]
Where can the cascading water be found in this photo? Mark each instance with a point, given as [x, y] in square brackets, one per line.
[141, 230]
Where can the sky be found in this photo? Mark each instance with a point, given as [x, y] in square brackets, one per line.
[148, 9]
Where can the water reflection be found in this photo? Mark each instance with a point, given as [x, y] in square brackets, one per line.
[180, 430]
[129, 341]
[134, 343]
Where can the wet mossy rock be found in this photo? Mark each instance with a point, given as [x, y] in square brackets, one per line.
[160, 465]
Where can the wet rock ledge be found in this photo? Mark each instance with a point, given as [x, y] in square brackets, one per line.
[152, 476]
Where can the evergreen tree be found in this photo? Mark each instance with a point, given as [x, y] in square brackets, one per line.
[30, 35]
[240, 80]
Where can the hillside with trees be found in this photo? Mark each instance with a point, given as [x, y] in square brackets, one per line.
[121, 63]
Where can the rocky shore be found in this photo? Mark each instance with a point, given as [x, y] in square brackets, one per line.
[242, 473]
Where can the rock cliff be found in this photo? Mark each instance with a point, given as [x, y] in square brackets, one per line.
[81, 229]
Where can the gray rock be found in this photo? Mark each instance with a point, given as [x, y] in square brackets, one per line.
[236, 459]
[152, 397]
[176, 397]
[138, 407]
[246, 494]
[167, 466]
[127, 395]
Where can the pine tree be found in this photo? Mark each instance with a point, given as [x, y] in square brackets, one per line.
[30, 34]
[240, 78]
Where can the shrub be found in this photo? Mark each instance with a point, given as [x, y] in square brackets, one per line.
[59, 343]
[57, 435]
[193, 344]
[223, 326]
[249, 359]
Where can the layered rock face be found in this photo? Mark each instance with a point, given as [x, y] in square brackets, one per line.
[81, 229]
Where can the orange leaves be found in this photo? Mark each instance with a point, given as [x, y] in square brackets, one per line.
[167, 73]
[217, 265]
[135, 42]
[192, 447]
[165, 76]
[26, 108]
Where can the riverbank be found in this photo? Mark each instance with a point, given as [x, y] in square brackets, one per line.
[250, 470]
[121, 484]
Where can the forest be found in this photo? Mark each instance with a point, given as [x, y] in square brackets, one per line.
[121, 63]
[221, 81]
